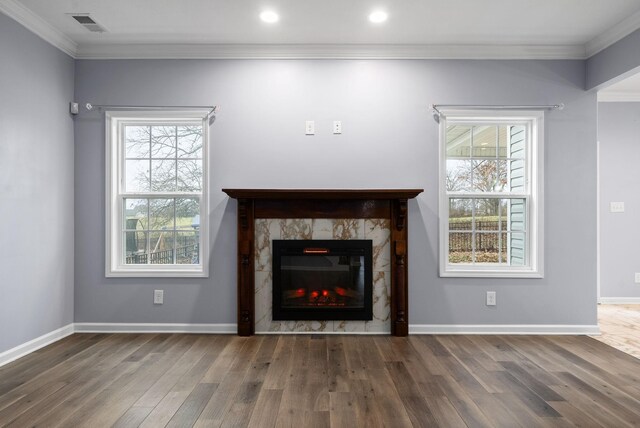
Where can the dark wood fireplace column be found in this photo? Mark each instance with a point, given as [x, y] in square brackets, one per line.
[318, 203]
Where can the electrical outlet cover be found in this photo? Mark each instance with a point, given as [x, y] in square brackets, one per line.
[158, 297]
[491, 298]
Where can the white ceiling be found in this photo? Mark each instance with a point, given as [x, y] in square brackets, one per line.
[555, 28]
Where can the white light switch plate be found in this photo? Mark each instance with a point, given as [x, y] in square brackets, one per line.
[309, 127]
[616, 207]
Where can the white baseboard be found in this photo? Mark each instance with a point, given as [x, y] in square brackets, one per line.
[619, 300]
[47, 339]
[33, 345]
[90, 327]
[503, 329]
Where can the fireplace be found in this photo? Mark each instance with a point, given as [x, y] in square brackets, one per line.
[264, 205]
[322, 280]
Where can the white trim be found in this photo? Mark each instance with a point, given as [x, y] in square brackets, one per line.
[618, 97]
[114, 266]
[33, 345]
[91, 327]
[619, 300]
[613, 34]
[325, 51]
[598, 272]
[504, 329]
[472, 272]
[38, 26]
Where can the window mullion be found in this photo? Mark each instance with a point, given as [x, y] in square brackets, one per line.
[148, 234]
[473, 230]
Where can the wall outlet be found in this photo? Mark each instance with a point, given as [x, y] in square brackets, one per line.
[491, 298]
[309, 127]
[637, 277]
[616, 207]
[158, 297]
[337, 127]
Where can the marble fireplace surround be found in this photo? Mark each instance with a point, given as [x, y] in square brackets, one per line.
[380, 210]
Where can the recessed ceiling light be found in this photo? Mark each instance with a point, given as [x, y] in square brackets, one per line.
[269, 16]
[378, 16]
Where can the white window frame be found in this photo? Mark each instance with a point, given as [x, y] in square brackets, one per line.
[115, 194]
[534, 122]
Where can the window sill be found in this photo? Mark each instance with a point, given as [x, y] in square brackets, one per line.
[148, 273]
[491, 274]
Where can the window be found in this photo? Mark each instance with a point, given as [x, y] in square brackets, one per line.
[491, 181]
[156, 223]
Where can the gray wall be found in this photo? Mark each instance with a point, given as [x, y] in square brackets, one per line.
[389, 140]
[36, 186]
[616, 62]
[619, 136]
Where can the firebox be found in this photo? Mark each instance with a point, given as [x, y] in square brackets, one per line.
[322, 280]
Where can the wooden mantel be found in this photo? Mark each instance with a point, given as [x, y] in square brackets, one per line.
[323, 203]
[323, 193]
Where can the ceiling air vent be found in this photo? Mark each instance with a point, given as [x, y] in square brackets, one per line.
[87, 22]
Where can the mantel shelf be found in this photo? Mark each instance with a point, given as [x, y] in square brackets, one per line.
[367, 194]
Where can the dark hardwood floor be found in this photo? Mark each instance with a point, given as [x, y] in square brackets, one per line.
[156, 380]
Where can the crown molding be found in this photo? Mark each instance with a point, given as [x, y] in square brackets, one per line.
[325, 51]
[612, 35]
[33, 22]
[618, 97]
[38, 26]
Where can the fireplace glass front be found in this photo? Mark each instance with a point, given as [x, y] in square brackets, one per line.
[322, 280]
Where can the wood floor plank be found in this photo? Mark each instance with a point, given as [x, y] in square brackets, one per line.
[111, 402]
[265, 411]
[83, 387]
[417, 408]
[468, 410]
[387, 399]
[625, 410]
[42, 371]
[229, 388]
[590, 407]
[493, 409]
[337, 365]
[28, 401]
[542, 390]
[133, 417]
[187, 361]
[528, 397]
[278, 372]
[190, 410]
[520, 411]
[577, 417]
